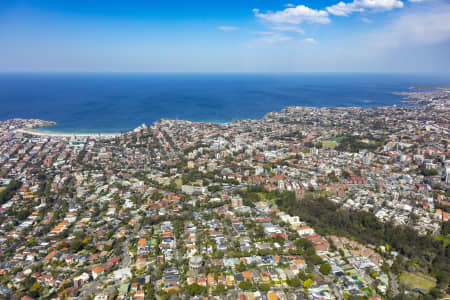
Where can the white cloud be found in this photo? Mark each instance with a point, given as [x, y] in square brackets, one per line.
[380, 5]
[294, 15]
[366, 20]
[263, 32]
[273, 37]
[416, 0]
[227, 28]
[290, 5]
[342, 9]
[345, 9]
[278, 34]
[311, 41]
[288, 28]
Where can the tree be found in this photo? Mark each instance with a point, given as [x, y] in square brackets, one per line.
[445, 230]
[264, 287]
[346, 174]
[294, 282]
[435, 293]
[245, 285]
[195, 289]
[428, 172]
[76, 246]
[241, 267]
[214, 188]
[280, 240]
[157, 196]
[316, 259]
[308, 283]
[9, 191]
[302, 275]
[219, 289]
[325, 269]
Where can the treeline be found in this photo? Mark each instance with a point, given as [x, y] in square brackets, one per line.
[428, 172]
[209, 177]
[445, 230]
[9, 191]
[328, 218]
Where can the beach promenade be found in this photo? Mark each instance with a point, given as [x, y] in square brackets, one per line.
[68, 135]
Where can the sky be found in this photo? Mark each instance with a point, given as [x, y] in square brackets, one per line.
[225, 36]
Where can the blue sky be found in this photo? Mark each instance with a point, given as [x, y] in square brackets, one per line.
[225, 36]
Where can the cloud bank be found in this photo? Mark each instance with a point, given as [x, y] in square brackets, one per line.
[425, 27]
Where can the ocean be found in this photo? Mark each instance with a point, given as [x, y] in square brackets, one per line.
[112, 103]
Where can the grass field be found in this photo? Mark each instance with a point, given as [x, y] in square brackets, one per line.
[336, 139]
[198, 182]
[2, 188]
[329, 144]
[178, 182]
[419, 281]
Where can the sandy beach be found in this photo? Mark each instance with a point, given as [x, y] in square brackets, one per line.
[69, 135]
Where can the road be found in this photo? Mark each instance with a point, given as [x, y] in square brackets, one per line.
[126, 257]
[89, 289]
[394, 283]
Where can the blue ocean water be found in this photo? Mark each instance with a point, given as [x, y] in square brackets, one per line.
[110, 103]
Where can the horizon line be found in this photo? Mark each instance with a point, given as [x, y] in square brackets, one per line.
[224, 72]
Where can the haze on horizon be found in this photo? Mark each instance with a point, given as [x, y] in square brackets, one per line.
[239, 36]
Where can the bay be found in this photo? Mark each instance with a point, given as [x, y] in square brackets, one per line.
[115, 102]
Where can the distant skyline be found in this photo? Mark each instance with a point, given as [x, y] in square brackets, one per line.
[233, 36]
